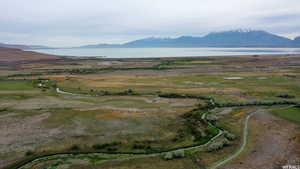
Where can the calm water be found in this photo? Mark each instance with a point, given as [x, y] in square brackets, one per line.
[167, 52]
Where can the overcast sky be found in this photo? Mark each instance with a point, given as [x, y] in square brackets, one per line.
[79, 22]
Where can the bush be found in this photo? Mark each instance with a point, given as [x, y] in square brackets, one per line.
[179, 154]
[29, 153]
[174, 154]
[168, 156]
[112, 149]
[229, 136]
[74, 148]
[211, 117]
[218, 145]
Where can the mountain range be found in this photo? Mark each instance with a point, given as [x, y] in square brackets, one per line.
[234, 38]
[237, 38]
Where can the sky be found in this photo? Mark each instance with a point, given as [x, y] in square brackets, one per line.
[64, 23]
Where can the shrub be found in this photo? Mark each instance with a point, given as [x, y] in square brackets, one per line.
[74, 148]
[179, 154]
[229, 136]
[174, 154]
[211, 117]
[29, 153]
[111, 149]
[168, 156]
[218, 145]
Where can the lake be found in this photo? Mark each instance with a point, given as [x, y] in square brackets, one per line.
[165, 52]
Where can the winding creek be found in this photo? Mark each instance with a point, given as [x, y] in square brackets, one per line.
[141, 155]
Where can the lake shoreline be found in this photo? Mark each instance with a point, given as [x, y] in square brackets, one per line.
[139, 53]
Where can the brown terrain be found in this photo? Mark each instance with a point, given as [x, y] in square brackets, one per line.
[274, 143]
[10, 56]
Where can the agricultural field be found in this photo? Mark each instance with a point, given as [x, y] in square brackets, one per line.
[177, 113]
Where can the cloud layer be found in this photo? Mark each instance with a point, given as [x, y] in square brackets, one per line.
[69, 22]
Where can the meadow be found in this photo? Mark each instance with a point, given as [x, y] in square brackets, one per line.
[140, 106]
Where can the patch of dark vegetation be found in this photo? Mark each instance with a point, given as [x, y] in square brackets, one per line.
[128, 92]
[3, 109]
[218, 145]
[29, 153]
[286, 96]
[141, 146]
[75, 148]
[200, 128]
[176, 95]
[258, 103]
[108, 146]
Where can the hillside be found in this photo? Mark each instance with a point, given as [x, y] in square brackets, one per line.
[16, 55]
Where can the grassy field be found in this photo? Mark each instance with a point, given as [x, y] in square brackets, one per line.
[124, 113]
[19, 85]
[290, 113]
[248, 86]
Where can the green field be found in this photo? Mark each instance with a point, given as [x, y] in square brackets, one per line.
[291, 113]
[20, 85]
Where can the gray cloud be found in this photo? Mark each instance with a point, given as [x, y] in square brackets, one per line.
[69, 22]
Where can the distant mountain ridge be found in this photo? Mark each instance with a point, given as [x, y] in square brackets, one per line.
[297, 40]
[24, 47]
[235, 38]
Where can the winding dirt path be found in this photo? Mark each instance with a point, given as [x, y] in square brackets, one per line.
[242, 147]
